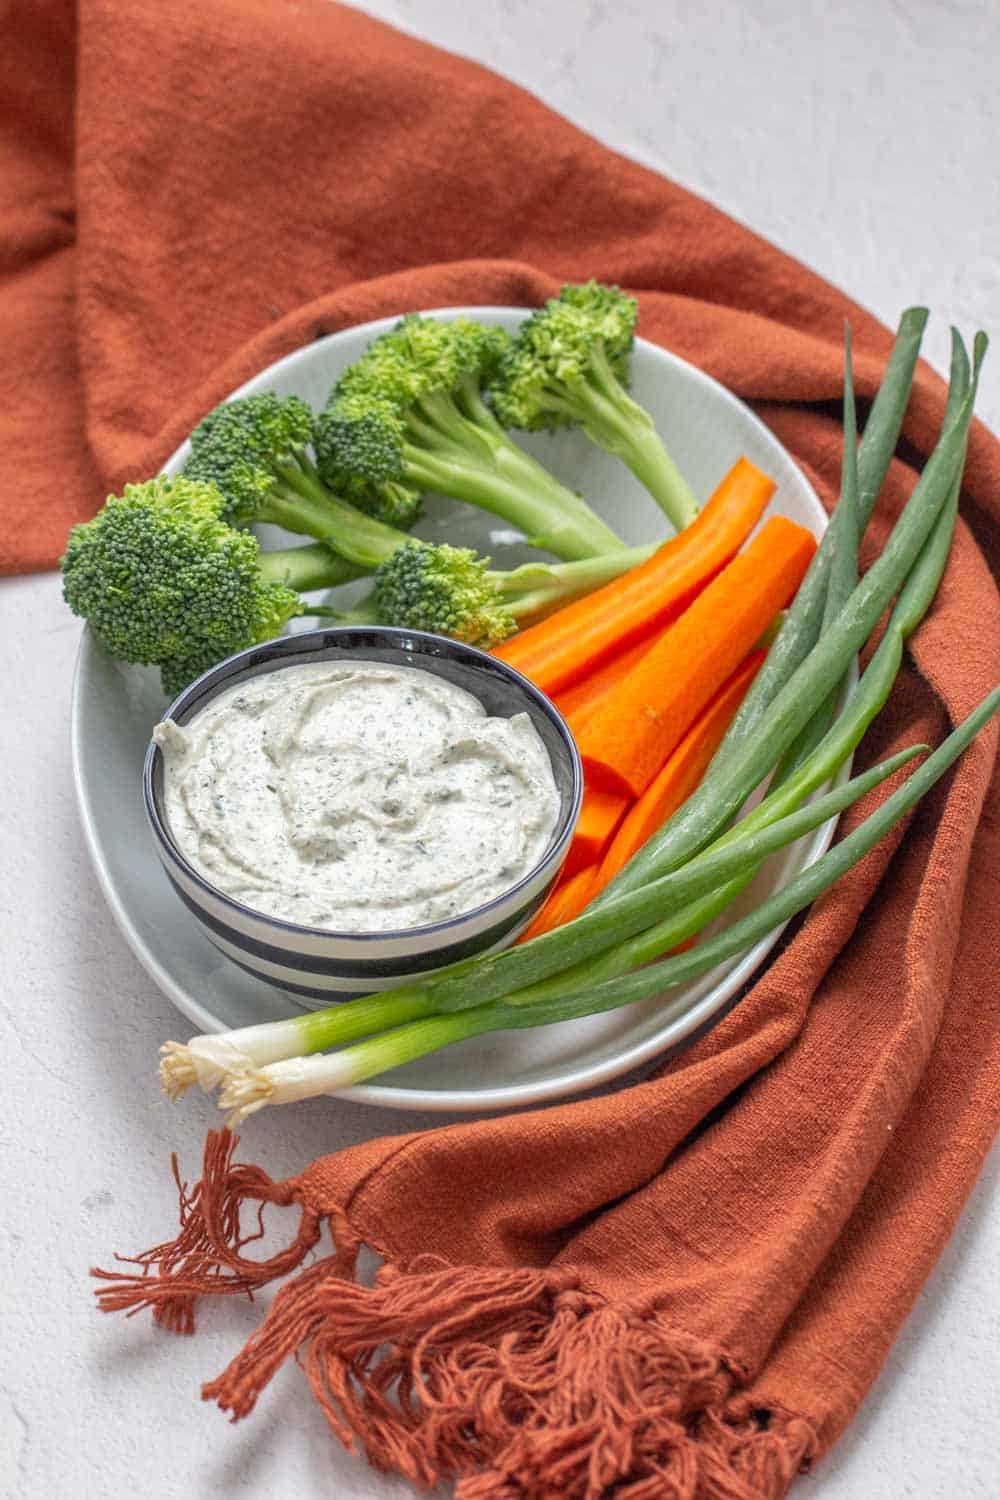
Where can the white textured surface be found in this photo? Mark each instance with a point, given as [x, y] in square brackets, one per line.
[860, 138]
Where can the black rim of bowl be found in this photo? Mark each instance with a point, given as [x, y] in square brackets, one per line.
[390, 636]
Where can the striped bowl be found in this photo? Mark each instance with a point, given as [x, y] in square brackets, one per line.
[314, 963]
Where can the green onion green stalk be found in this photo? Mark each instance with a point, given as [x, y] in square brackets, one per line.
[804, 619]
[740, 767]
[249, 1089]
[207, 1059]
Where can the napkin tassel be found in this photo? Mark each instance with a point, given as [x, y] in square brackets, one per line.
[205, 1258]
[515, 1381]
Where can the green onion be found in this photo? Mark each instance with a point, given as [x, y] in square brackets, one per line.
[693, 896]
[207, 1060]
[730, 781]
[298, 1078]
[814, 879]
[802, 625]
[842, 575]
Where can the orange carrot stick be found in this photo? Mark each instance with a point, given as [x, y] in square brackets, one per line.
[625, 742]
[570, 893]
[600, 815]
[578, 702]
[560, 650]
[679, 775]
[678, 778]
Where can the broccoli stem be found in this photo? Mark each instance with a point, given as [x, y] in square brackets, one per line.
[365, 612]
[310, 470]
[457, 446]
[440, 423]
[609, 416]
[509, 487]
[301, 503]
[470, 402]
[311, 567]
[622, 427]
[538, 588]
[506, 451]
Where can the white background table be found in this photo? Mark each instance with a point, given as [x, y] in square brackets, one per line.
[860, 137]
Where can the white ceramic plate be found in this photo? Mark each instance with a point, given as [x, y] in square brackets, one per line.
[114, 708]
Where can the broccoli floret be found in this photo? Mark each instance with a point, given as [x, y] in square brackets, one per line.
[409, 416]
[450, 590]
[162, 580]
[570, 365]
[444, 589]
[553, 351]
[423, 358]
[372, 432]
[249, 447]
[255, 450]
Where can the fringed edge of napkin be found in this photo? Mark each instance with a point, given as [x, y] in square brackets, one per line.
[517, 1382]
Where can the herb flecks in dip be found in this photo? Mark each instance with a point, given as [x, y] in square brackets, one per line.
[359, 797]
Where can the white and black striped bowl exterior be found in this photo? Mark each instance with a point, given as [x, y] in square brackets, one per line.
[321, 966]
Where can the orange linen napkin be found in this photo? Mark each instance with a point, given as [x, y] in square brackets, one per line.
[685, 1288]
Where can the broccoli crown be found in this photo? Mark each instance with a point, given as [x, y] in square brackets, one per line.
[241, 444]
[162, 580]
[423, 357]
[359, 454]
[444, 589]
[554, 350]
[361, 434]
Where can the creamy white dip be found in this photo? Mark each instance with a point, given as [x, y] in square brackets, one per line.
[357, 796]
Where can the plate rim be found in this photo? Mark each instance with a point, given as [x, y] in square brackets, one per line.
[673, 1032]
